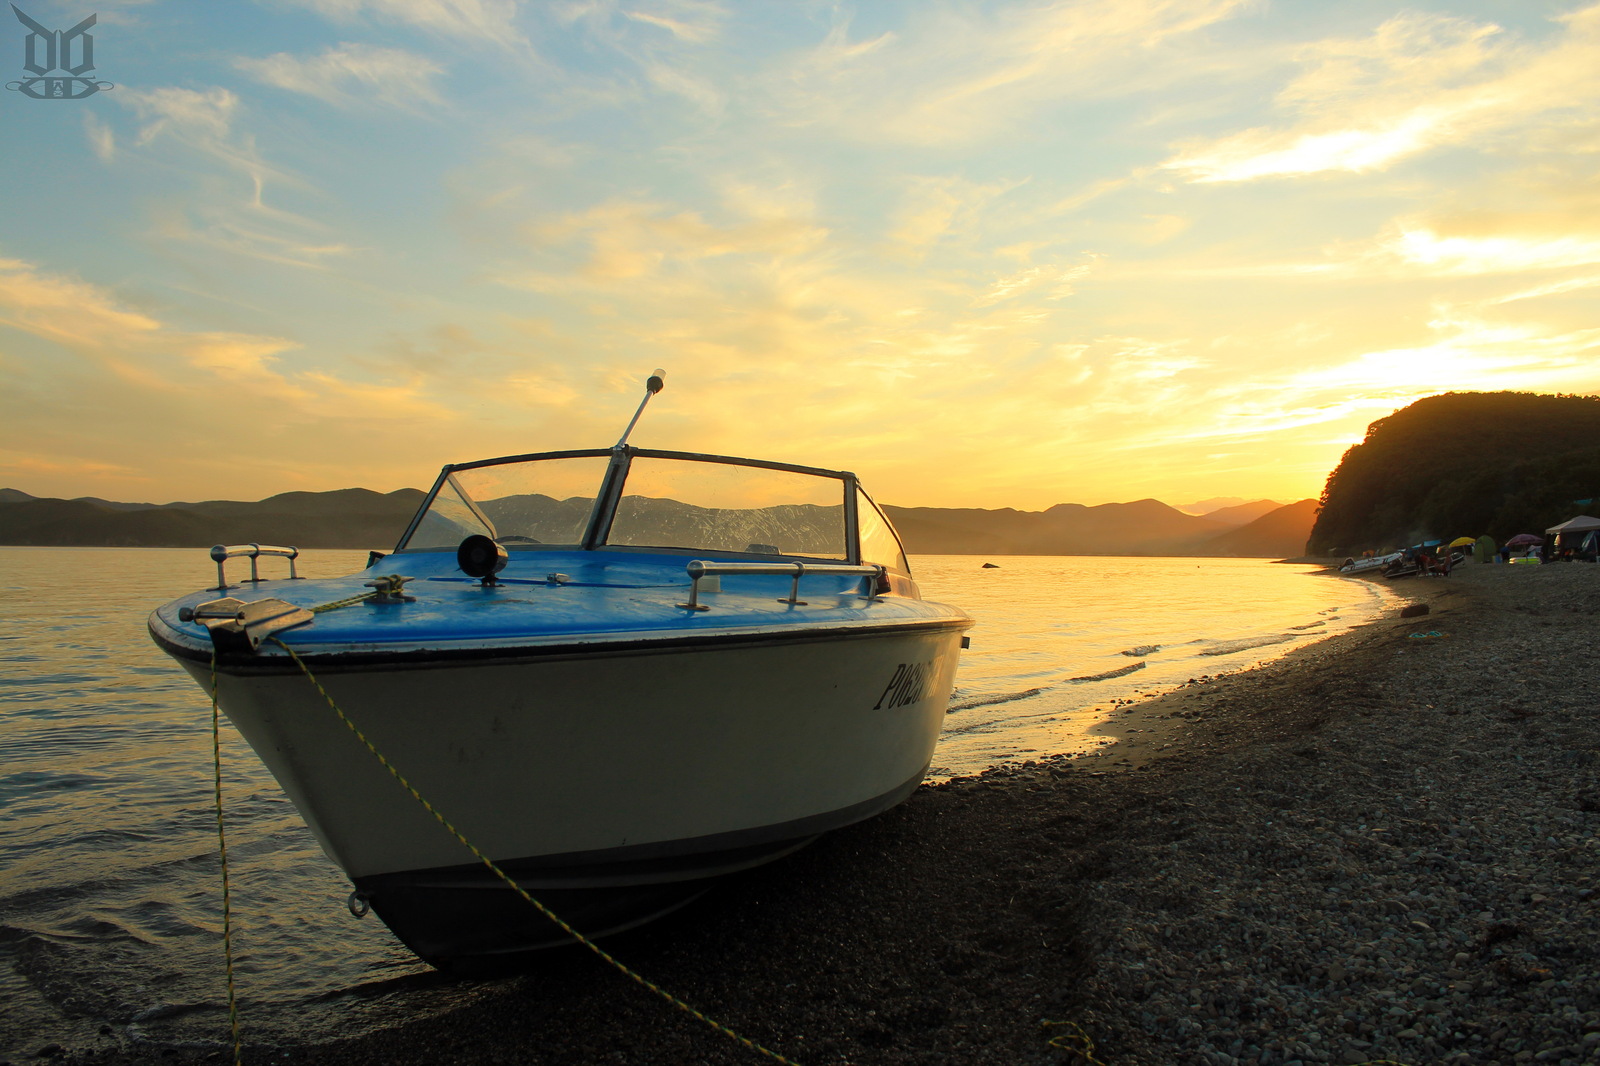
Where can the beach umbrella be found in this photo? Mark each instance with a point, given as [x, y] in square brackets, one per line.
[1459, 541]
[1523, 540]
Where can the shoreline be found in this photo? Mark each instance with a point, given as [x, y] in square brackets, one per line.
[1377, 846]
[1170, 722]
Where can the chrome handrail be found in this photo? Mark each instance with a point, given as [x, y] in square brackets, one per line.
[698, 568]
[221, 553]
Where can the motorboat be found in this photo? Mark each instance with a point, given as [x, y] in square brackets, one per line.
[621, 673]
[1369, 562]
[1427, 559]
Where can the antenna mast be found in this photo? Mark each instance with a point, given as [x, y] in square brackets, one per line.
[654, 385]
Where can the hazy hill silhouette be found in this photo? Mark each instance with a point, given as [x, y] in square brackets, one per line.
[1218, 503]
[1243, 513]
[1280, 533]
[1145, 527]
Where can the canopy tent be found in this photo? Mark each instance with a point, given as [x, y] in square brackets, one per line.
[1569, 533]
[1582, 524]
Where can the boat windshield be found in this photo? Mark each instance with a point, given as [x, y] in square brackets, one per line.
[670, 503]
[879, 543]
[674, 503]
[541, 501]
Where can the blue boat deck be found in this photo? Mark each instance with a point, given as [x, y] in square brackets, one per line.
[598, 596]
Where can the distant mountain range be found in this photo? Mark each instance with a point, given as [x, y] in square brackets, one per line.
[361, 518]
[1145, 527]
[1218, 503]
[346, 518]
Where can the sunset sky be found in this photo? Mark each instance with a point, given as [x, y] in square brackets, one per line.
[983, 254]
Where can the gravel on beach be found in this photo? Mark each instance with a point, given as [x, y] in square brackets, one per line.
[1378, 848]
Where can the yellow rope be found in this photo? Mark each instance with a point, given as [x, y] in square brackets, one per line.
[336, 604]
[502, 875]
[1074, 1041]
[393, 585]
[222, 850]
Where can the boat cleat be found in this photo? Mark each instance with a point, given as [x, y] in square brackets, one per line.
[235, 625]
[390, 589]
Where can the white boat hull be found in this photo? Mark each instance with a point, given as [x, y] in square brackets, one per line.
[1369, 562]
[616, 673]
[598, 777]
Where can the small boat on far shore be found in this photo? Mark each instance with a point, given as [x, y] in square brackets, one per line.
[1424, 559]
[1369, 562]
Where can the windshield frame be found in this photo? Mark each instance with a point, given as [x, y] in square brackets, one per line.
[609, 494]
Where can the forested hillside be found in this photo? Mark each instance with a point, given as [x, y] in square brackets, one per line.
[1462, 464]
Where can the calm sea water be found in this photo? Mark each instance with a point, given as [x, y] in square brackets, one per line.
[110, 911]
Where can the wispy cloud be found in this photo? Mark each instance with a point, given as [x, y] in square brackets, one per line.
[690, 21]
[1419, 247]
[349, 75]
[486, 21]
[239, 221]
[932, 209]
[1556, 288]
[628, 240]
[1057, 282]
[1467, 347]
[683, 82]
[201, 118]
[1492, 254]
[954, 77]
[203, 121]
[276, 237]
[101, 139]
[65, 309]
[1418, 82]
[95, 324]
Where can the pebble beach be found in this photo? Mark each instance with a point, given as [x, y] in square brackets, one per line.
[1379, 848]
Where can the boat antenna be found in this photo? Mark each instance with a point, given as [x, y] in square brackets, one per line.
[654, 385]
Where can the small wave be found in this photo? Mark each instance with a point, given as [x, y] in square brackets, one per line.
[170, 1010]
[1229, 647]
[1309, 625]
[1107, 676]
[1141, 651]
[987, 701]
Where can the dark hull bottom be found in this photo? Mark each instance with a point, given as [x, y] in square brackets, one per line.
[467, 919]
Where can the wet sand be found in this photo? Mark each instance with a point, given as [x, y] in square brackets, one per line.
[1380, 846]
